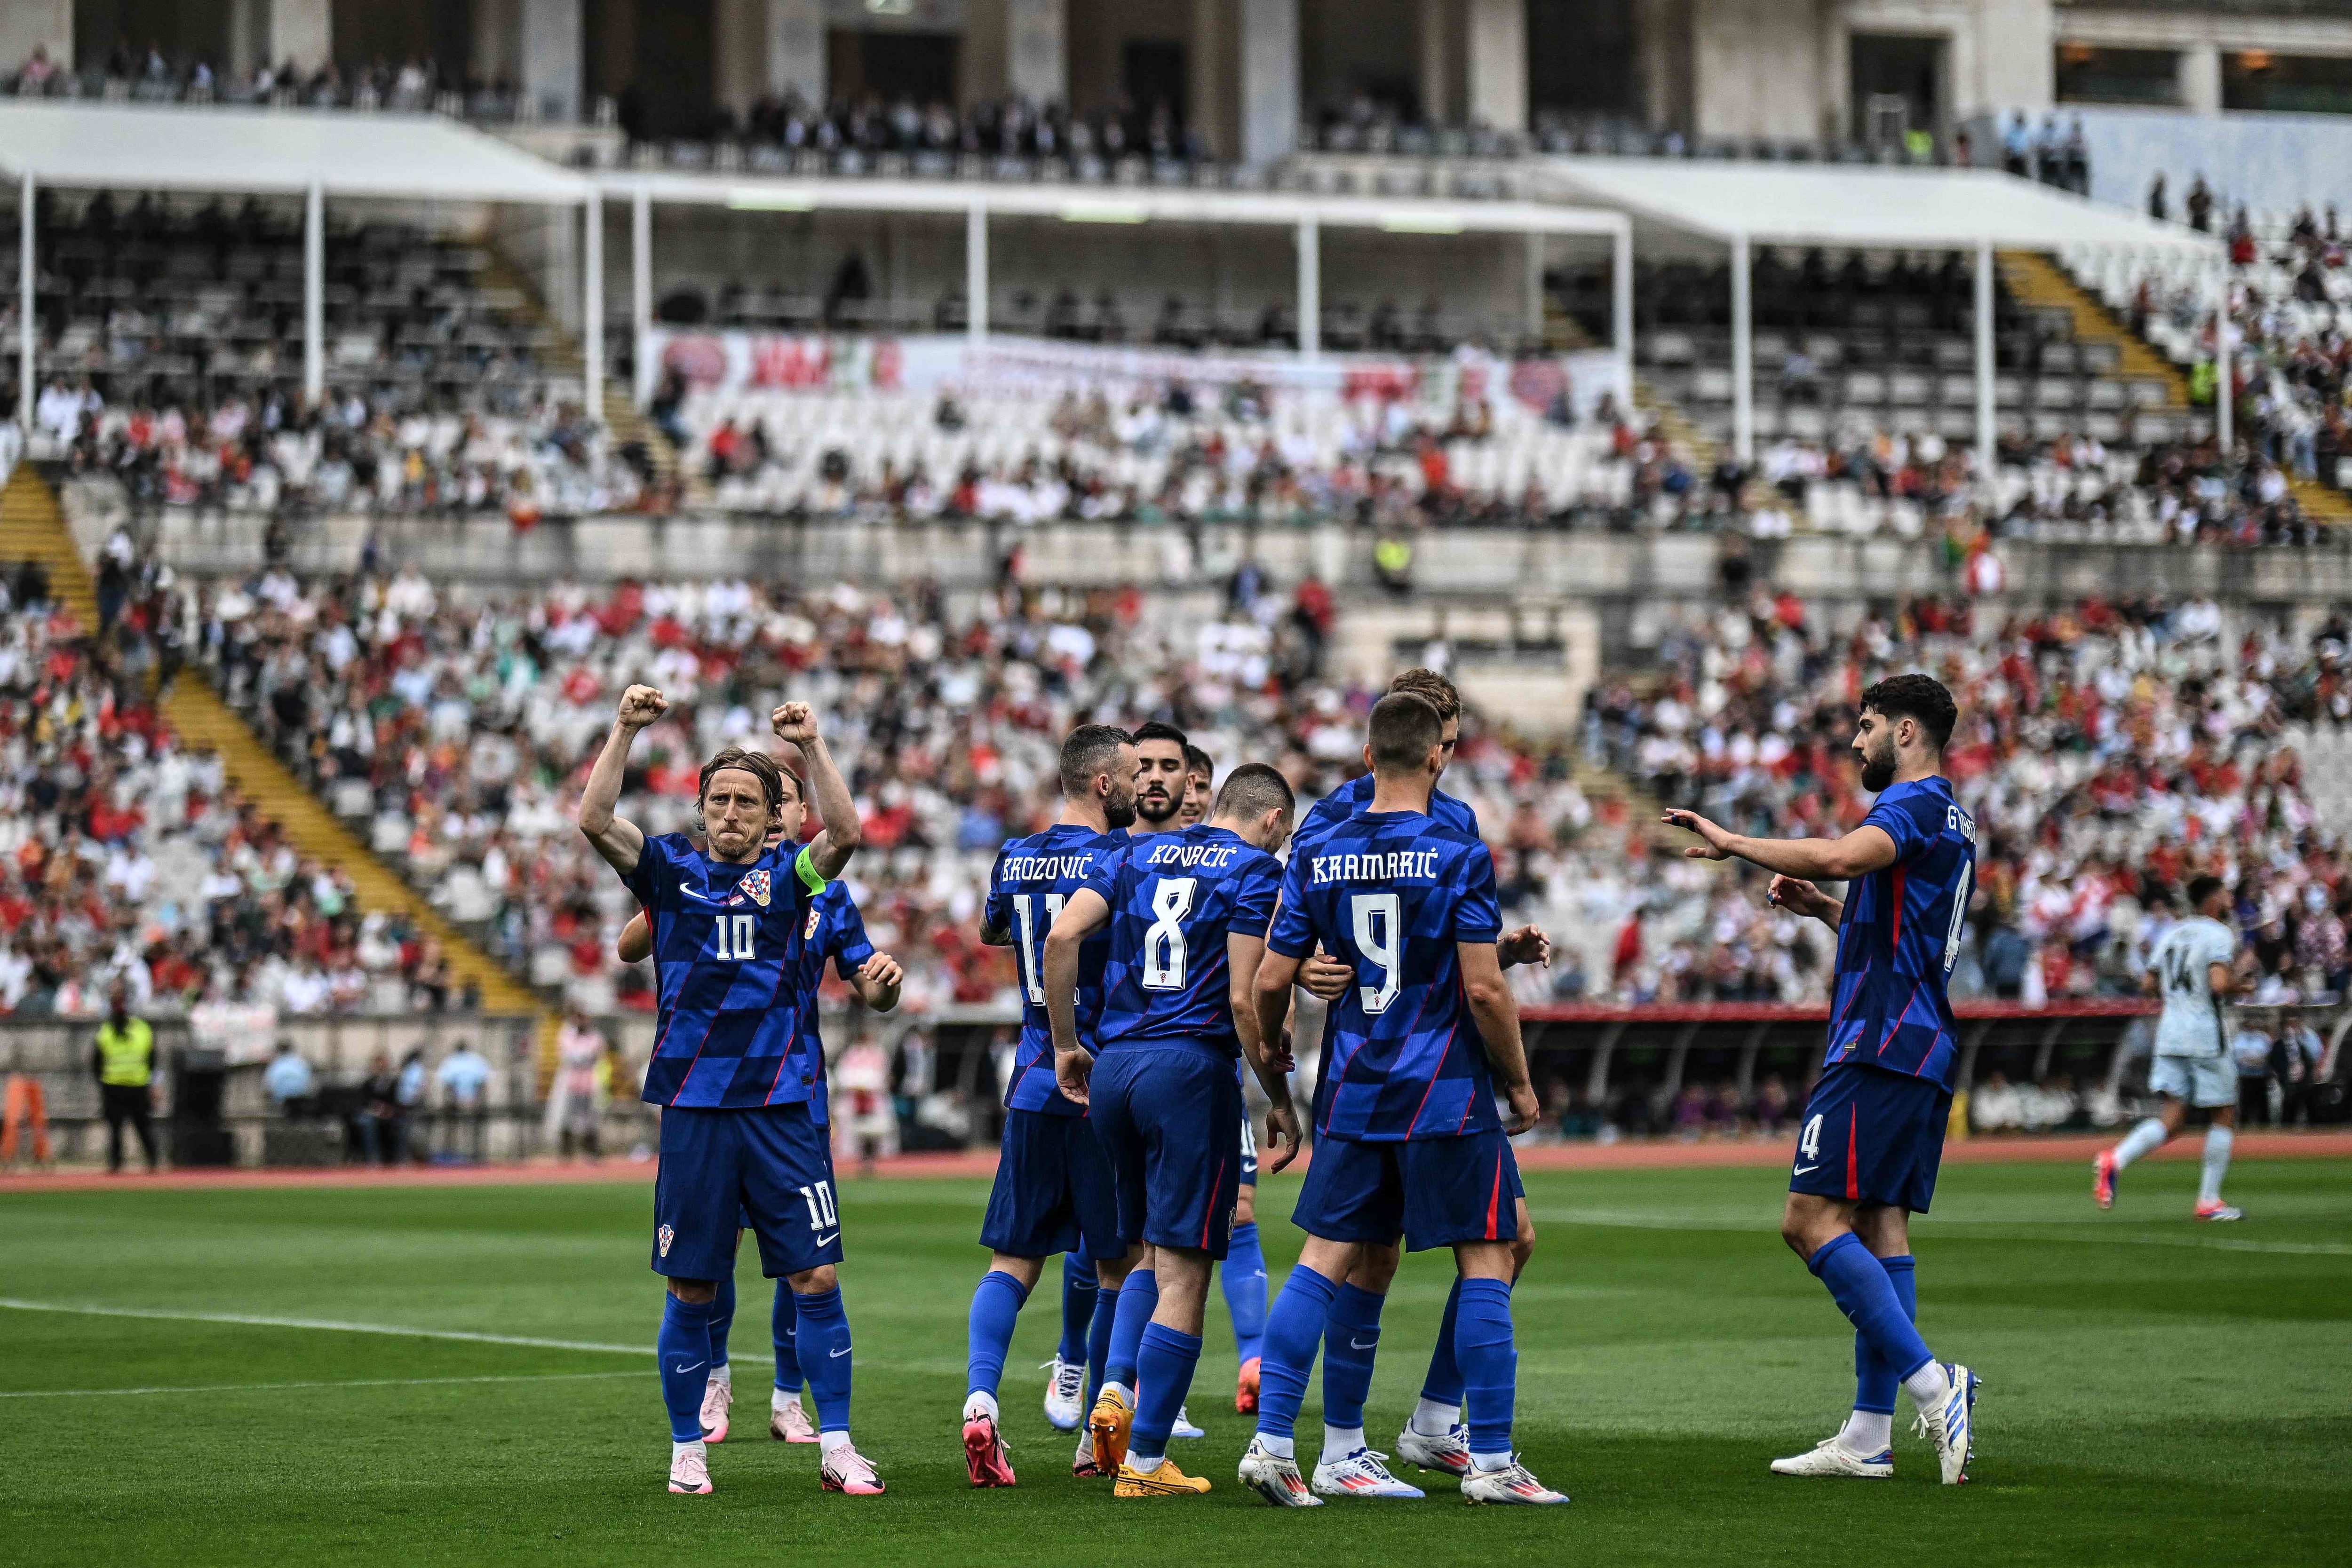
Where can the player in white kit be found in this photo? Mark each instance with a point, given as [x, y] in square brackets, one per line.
[2194, 967]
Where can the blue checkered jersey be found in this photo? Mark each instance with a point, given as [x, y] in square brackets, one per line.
[1389, 894]
[1033, 878]
[729, 971]
[1356, 795]
[1174, 898]
[835, 931]
[1901, 932]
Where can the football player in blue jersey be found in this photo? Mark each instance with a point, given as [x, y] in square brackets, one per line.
[837, 931]
[1407, 1137]
[1052, 1191]
[1243, 1273]
[1433, 1436]
[1872, 1134]
[1168, 788]
[731, 928]
[1187, 913]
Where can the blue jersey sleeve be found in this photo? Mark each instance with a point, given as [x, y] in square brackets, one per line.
[996, 912]
[1899, 819]
[845, 940]
[1254, 893]
[1103, 880]
[656, 868]
[1455, 813]
[1477, 912]
[1293, 936]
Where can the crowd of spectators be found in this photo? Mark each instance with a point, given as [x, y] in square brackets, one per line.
[154, 75]
[1169, 453]
[125, 857]
[275, 455]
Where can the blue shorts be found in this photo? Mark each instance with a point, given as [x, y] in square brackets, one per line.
[1165, 1111]
[1054, 1191]
[767, 1168]
[1434, 1191]
[1873, 1136]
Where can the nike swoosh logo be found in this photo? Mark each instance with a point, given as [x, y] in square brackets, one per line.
[837, 1354]
[707, 898]
[1802, 1169]
[827, 1241]
[1355, 1343]
[689, 1366]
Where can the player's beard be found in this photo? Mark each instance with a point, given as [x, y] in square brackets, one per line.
[1156, 807]
[1118, 810]
[1878, 766]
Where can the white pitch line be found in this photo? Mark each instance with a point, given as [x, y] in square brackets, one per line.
[327, 1326]
[273, 1388]
[1601, 1219]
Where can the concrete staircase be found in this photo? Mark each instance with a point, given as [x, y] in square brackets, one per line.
[561, 354]
[2038, 283]
[32, 527]
[2035, 280]
[1563, 333]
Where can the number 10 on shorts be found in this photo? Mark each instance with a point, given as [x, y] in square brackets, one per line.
[822, 1216]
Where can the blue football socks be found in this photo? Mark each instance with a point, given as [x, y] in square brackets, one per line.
[1443, 1386]
[1079, 1291]
[1137, 1300]
[1287, 1354]
[1164, 1362]
[722, 1318]
[1865, 1293]
[784, 1327]
[684, 1347]
[1098, 1334]
[1244, 1275]
[1351, 1336]
[1874, 1382]
[995, 1307]
[1490, 1368]
[825, 1357]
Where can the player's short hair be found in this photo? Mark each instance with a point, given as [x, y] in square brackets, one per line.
[1090, 749]
[1198, 761]
[759, 763]
[2201, 888]
[1435, 689]
[1252, 790]
[1404, 726]
[1160, 729]
[1916, 697]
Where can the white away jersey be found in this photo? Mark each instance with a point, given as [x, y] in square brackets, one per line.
[2191, 1024]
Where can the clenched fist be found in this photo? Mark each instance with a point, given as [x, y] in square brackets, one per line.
[642, 706]
[795, 722]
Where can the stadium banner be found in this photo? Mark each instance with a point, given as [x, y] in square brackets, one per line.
[927, 364]
[242, 1033]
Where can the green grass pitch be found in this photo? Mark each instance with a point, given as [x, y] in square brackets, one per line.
[2156, 1391]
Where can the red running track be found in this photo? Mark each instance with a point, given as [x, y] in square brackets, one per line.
[1664, 1154]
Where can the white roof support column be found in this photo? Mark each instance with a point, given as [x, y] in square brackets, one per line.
[641, 289]
[1743, 354]
[1987, 426]
[1310, 288]
[1621, 294]
[592, 307]
[975, 272]
[1536, 286]
[28, 323]
[2225, 413]
[314, 295]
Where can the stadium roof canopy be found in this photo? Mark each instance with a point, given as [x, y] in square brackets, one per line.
[1890, 208]
[272, 151]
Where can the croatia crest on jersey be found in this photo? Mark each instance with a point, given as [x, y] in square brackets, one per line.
[755, 884]
[666, 1236]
